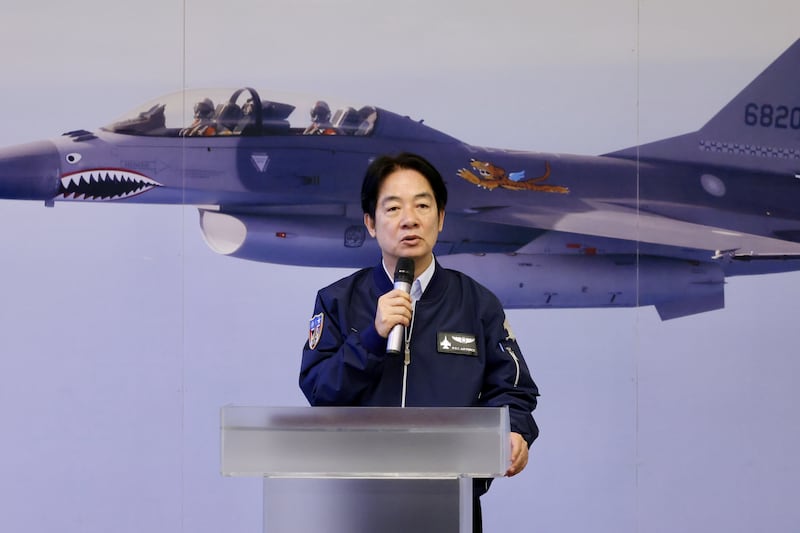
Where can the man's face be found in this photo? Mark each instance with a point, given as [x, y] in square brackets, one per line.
[407, 222]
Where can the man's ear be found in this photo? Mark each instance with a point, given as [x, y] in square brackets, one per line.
[441, 220]
[370, 224]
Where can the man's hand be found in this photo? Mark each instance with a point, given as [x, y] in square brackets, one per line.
[394, 308]
[519, 455]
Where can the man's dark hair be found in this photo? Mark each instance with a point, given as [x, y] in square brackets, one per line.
[384, 165]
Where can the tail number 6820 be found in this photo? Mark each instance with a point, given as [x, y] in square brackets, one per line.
[772, 116]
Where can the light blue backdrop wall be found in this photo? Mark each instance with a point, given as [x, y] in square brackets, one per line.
[121, 334]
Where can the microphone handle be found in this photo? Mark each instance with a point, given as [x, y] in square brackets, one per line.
[394, 343]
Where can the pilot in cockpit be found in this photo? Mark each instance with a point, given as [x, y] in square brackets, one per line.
[229, 119]
[320, 120]
[203, 124]
[248, 108]
[248, 118]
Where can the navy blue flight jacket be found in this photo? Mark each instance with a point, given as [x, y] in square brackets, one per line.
[462, 353]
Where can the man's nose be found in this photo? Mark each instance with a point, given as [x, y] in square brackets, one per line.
[410, 219]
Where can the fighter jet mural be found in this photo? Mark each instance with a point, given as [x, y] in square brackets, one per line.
[660, 224]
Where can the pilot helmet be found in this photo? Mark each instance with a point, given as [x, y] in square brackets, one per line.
[320, 112]
[204, 108]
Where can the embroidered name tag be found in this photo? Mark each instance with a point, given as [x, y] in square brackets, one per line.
[456, 343]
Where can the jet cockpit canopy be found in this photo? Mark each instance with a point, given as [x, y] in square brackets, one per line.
[217, 112]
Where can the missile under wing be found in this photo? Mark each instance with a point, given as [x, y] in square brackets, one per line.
[276, 178]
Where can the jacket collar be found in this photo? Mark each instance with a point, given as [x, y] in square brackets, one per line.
[434, 290]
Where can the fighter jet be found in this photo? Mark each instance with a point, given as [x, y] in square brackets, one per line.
[277, 178]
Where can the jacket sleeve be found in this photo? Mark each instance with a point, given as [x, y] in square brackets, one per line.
[508, 380]
[343, 362]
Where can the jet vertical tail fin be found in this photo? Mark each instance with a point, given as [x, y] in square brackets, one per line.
[766, 113]
[759, 129]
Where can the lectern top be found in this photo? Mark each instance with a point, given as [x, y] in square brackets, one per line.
[367, 442]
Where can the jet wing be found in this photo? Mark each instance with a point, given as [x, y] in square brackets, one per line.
[612, 221]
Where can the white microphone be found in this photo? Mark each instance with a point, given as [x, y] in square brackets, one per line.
[403, 278]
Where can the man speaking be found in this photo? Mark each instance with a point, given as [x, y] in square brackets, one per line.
[457, 348]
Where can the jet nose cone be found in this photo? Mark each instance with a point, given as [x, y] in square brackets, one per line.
[29, 171]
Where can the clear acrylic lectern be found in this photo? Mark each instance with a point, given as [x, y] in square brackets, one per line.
[365, 469]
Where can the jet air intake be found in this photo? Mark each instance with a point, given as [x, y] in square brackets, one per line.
[324, 241]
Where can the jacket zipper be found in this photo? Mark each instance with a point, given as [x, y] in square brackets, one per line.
[407, 355]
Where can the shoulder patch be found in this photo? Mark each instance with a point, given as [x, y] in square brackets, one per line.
[315, 330]
[509, 334]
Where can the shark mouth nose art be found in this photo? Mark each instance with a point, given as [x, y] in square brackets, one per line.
[104, 184]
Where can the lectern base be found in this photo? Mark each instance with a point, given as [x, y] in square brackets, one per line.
[304, 505]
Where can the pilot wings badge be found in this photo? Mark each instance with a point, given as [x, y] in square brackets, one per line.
[315, 330]
[456, 343]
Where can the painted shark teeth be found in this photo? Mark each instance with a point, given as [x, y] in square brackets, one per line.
[104, 184]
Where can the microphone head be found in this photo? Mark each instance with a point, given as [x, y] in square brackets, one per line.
[404, 272]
